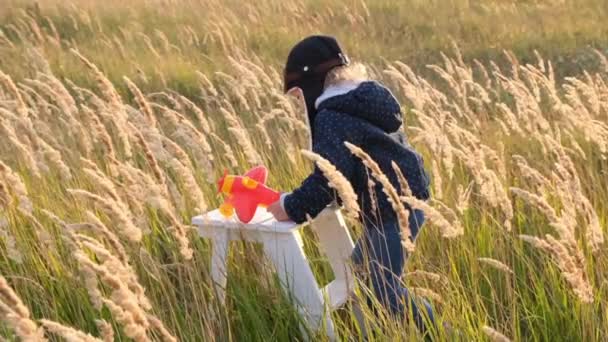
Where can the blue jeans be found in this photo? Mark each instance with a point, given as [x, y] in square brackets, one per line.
[380, 250]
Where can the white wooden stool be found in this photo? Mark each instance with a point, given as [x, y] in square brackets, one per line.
[283, 245]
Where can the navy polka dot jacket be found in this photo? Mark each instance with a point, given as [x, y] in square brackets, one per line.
[370, 117]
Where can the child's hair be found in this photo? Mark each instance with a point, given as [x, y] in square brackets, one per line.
[351, 72]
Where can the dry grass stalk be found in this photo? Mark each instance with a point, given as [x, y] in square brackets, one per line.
[420, 274]
[17, 186]
[181, 235]
[115, 104]
[403, 184]
[100, 131]
[192, 188]
[229, 154]
[68, 333]
[17, 316]
[8, 83]
[152, 162]
[338, 182]
[427, 293]
[157, 324]
[571, 266]
[100, 179]
[388, 189]
[437, 180]
[106, 330]
[125, 305]
[496, 264]
[494, 335]
[142, 102]
[56, 159]
[112, 239]
[448, 230]
[126, 226]
[23, 150]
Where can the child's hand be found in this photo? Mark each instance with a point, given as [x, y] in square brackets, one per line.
[277, 211]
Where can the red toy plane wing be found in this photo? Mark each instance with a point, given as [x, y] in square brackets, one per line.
[245, 208]
[258, 173]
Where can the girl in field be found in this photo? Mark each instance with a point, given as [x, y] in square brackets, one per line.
[344, 106]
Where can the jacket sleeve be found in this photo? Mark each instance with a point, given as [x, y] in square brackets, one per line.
[314, 194]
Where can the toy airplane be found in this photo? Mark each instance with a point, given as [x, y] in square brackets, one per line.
[246, 193]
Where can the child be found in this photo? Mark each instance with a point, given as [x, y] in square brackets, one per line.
[342, 105]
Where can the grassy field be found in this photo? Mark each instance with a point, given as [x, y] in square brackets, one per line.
[118, 117]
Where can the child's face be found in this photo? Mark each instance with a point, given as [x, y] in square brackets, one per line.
[297, 96]
[296, 93]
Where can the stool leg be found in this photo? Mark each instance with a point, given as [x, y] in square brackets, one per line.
[288, 256]
[218, 263]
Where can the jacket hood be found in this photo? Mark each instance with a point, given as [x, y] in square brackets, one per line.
[368, 100]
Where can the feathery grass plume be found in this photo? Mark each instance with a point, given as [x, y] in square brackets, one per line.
[242, 137]
[564, 225]
[192, 188]
[56, 159]
[371, 188]
[448, 230]
[535, 241]
[5, 197]
[530, 173]
[112, 239]
[132, 328]
[126, 226]
[115, 104]
[198, 112]
[24, 151]
[8, 83]
[68, 333]
[122, 270]
[420, 274]
[10, 243]
[152, 162]
[338, 182]
[403, 184]
[42, 233]
[5, 41]
[100, 179]
[17, 316]
[389, 190]
[100, 131]
[571, 267]
[158, 325]
[105, 329]
[177, 151]
[142, 102]
[494, 335]
[437, 180]
[17, 186]
[464, 196]
[89, 278]
[187, 134]
[537, 201]
[427, 293]
[496, 264]
[206, 84]
[181, 235]
[262, 129]
[571, 271]
[594, 233]
[123, 303]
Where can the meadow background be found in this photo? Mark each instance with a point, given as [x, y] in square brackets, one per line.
[117, 118]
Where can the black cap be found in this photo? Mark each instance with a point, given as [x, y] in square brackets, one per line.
[311, 59]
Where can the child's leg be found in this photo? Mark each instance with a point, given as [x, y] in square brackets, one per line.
[382, 253]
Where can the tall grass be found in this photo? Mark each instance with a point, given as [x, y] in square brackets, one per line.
[101, 169]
